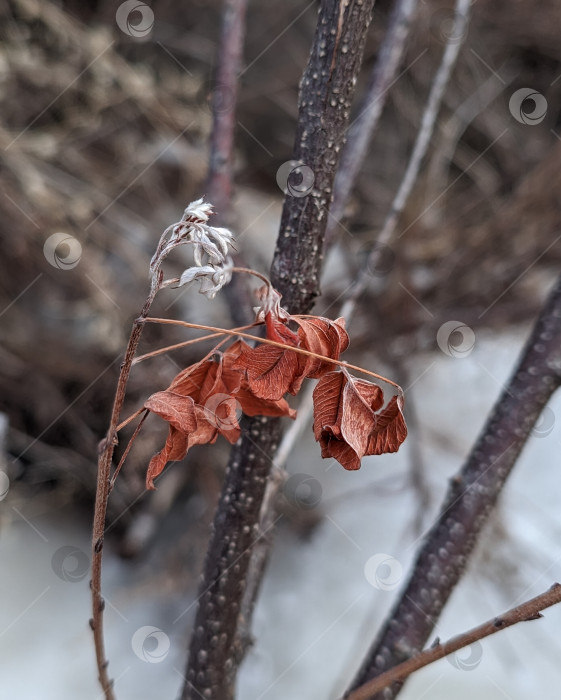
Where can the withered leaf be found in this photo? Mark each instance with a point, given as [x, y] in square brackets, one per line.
[175, 449]
[177, 410]
[346, 422]
[391, 429]
[324, 337]
[270, 371]
[251, 404]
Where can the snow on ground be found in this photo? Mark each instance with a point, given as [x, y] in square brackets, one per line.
[322, 599]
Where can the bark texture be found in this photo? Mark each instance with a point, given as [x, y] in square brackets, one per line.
[325, 97]
[471, 496]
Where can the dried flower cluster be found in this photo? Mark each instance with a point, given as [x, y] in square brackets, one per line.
[213, 265]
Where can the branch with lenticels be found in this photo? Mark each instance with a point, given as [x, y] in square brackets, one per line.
[471, 496]
[530, 610]
[326, 92]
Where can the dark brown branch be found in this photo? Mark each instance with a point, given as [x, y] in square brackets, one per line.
[530, 610]
[326, 92]
[472, 494]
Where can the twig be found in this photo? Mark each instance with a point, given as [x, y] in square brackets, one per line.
[451, 132]
[428, 121]
[236, 332]
[223, 105]
[362, 129]
[326, 91]
[530, 610]
[471, 497]
[107, 447]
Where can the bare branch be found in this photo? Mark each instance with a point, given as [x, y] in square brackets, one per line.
[471, 497]
[224, 97]
[326, 91]
[107, 447]
[223, 106]
[362, 129]
[428, 121]
[530, 610]
[353, 154]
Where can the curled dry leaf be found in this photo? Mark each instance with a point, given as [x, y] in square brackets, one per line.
[273, 371]
[205, 399]
[324, 337]
[348, 422]
[201, 403]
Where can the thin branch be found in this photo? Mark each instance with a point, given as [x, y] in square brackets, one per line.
[127, 449]
[237, 333]
[223, 106]
[326, 92]
[530, 610]
[455, 41]
[451, 133]
[224, 99]
[370, 110]
[471, 496]
[107, 447]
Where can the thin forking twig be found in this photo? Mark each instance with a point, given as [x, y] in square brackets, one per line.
[530, 610]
